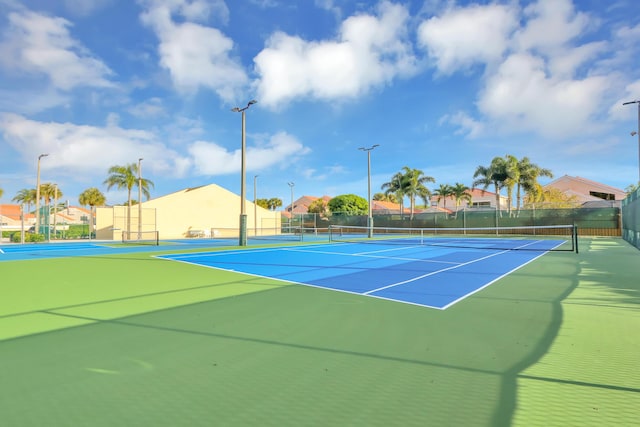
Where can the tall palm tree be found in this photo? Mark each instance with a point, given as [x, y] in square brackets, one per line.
[442, 192]
[395, 188]
[528, 174]
[460, 193]
[49, 192]
[495, 174]
[26, 196]
[92, 197]
[414, 180]
[513, 177]
[127, 177]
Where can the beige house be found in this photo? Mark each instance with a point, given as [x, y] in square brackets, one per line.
[206, 211]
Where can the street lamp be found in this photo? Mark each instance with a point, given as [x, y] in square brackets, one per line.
[291, 185]
[255, 206]
[636, 133]
[139, 198]
[370, 217]
[37, 228]
[243, 214]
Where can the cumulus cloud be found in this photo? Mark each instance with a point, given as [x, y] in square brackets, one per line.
[463, 37]
[538, 76]
[212, 159]
[369, 51]
[522, 97]
[196, 56]
[42, 45]
[88, 150]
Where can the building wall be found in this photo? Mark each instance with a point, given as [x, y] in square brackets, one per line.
[189, 213]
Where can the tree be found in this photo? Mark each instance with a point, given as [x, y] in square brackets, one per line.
[1, 192]
[632, 187]
[528, 174]
[26, 196]
[348, 204]
[319, 206]
[382, 197]
[394, 188]
[49, 192]
[274, 203]
[513, 177]
[460, 193]
[91, 197]
[263, 203]
[413, 185]
[554, 197]
[495, 174]
[442, 192]
[127, 177]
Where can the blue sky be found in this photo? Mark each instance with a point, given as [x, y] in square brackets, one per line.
[441, 86]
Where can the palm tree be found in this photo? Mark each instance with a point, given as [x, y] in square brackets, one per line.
[127, 177]
[274, 203]
[49, 192]
[26, 196]
[442, 192]
[460, 193]
[91, 197]
[395, 188]
[528, 174]
[382, 197]
[495, 174]
[513, 177]
[414, 180]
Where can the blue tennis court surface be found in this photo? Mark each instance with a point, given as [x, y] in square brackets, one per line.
[429, 276]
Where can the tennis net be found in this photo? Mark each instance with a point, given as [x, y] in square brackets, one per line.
[533, 238]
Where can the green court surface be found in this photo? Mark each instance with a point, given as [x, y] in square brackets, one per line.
[133, 340]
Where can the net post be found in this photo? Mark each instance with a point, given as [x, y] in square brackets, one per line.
[575, 237]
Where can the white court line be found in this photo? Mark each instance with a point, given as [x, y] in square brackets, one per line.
[443, 270]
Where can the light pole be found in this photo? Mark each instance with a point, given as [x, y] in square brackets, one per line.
[370, 217]
[37, 229]
[140, 198]
[291, 185]
[255, 206]
[243, 213]
[636, 133]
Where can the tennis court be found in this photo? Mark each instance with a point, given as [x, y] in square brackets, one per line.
[124, 335]
[435, 275]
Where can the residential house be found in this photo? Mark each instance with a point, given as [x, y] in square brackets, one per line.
[587, 192]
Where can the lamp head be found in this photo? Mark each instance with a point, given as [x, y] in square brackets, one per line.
[235, 109]
[634, 133]
[253, 101]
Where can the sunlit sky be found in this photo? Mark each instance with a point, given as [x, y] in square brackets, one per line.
[441, 86]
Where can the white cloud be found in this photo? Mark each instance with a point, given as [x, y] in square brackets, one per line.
[88, 150]
[41, 45]
[195, 55]
[467, 124]
[521, 96]
[538, 76]
[212, 159]
[368, 52]
[466, 36]
[550, 24]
